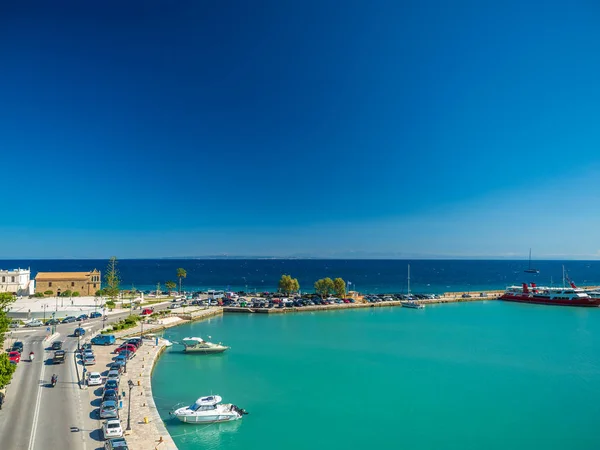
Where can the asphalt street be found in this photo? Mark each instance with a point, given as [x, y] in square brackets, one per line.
[37, 416]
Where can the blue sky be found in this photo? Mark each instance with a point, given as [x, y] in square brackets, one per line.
[338, 129]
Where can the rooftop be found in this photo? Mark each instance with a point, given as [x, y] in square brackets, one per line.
[57, 276]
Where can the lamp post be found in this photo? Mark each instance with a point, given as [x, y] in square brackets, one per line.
[44, 306]
[104, 317]
[126, 358]
[130, 383]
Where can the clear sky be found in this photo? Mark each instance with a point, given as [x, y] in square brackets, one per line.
[315, 128]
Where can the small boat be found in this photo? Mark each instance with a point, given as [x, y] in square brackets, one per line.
[531, 269]
[412, 304]
[199, 345]
[208, 410]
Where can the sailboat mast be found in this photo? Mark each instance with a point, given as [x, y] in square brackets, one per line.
[564, 277]
[409, 279]
[530, 259]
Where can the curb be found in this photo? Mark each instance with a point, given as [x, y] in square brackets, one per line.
[51, 338]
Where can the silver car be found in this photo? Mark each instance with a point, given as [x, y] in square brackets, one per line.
[108, 410]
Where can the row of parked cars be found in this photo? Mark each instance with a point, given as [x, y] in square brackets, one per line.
[397, 297]
[49, 322]
[111, 401]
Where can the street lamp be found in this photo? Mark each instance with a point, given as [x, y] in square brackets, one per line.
[126, 358]
[130, 383]
[44, 306]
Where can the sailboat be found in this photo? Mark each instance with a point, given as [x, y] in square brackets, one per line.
[531, 269]
[411, 303]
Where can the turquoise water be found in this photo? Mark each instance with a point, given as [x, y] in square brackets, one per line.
[488, 375]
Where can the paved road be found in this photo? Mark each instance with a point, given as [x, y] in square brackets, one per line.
[37, 416]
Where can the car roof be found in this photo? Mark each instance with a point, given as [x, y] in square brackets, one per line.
[93, 374]
[109, 403]
[113, 421]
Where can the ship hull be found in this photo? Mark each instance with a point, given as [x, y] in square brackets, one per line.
[583, 302]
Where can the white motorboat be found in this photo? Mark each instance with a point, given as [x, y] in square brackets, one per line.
[208, 410]
[199, 345]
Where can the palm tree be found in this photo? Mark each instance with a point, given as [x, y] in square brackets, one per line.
[181, 273]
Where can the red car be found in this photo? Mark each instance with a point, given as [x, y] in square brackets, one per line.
[124, 348]
[147, 312]
[14, 356]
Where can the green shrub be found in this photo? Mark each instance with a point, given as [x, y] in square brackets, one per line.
[48, 292]
[110, 304]
[67, 293]
[38, 294]
[75, 294]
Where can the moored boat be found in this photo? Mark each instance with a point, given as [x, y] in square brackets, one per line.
[199, 345]
[565, 296]
[412, 304]
[208, 410]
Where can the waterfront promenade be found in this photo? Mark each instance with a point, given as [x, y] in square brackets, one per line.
[147, 428]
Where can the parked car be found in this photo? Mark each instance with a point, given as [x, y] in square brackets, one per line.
[110, 395]
[466, 296]
[14, 356]
[95, 379]
[127, 348]
[17, 347]
[95, 315]
[34, 323]
[15, 324]
[89, 360]
[103, 339]
[108, 410]
[56, 345]
[79, 332]
[52, 322]
[116, 444]
[69, 319]
[137, 342]
[82, 317]
[113, 375]
[112, 429]
[117, 366]
[147, 311]
[111, 384]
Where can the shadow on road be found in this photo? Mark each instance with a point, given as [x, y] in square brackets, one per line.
[97, 435]
[99, 391]
[95, 414]
[96, 402]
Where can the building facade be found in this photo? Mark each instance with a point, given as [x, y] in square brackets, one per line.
[85, 283]
[17, 281]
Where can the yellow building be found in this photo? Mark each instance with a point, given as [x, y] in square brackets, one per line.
[86, 283]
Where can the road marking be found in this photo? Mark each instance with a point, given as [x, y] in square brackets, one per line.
[37, 409]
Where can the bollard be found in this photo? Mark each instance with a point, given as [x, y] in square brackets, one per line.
[146, 420]
[160, 439]
[139, 384]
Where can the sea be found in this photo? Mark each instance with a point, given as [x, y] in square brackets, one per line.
[478, 375]
[367, 276]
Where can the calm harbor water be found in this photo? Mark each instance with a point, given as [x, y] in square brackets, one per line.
[457, 376]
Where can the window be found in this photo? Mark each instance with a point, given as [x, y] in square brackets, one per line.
[72, 283]
[94, 284]
[12, 279]
[50, 284]
[3, 279]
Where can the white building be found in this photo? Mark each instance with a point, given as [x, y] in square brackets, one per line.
[17, 281]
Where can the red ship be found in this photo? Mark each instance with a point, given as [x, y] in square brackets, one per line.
[565, 296]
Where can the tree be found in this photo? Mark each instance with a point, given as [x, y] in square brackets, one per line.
[6, 368]
[324, 286]
[287, 284]
[170, 285]
[181, 273]
[111, 277]
[339, 287]
[6, 299]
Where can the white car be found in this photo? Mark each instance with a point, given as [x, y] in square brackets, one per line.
[95, 379]
[34, 323]
[112, 429]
